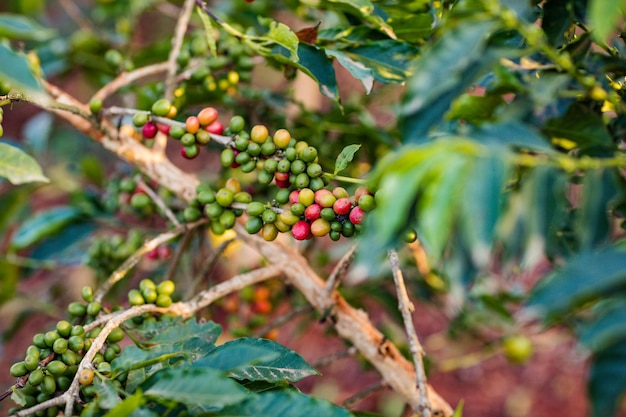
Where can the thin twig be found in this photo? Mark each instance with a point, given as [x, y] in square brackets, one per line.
[327, 360]
[173, 264]
[376, 386]
[340, 269]
[158, 201]
[209, 263]
[177, 43]
[406, 308]
[150, 245]
[282, 319]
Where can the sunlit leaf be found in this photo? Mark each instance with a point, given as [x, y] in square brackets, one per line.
[16, 70]
[19, 27]
[44, 224]
[18, 167]
[345, 157]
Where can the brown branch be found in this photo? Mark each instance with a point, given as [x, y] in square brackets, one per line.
[177, 43]
[126, 78]
[351, 324]
[406, 309]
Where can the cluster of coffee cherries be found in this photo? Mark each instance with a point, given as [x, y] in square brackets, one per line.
[151, 293]
[107, 253]
[51, 361]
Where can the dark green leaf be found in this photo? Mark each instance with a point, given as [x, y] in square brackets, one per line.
[581, 280]
[441, 74]
[257, 360]
[16, 70]
[557, 20]
[314, 62]
[412, 27]
[195, 386]
[284, 404]
[592, 224]
[345, 157]
[363, 9]
[580, 125]
[605, 330]
[17, 166]
[607, 380]
[389, 60]
[356, 69]
[603, 16]
[44, 224]
[191, 329]
[481, 204]
[18, 27]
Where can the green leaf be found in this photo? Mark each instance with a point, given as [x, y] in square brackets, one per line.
[512, 133]
[189, 330]
[17, 166]
[314, 62]
[603, 16]
[582, 279]
[363, 9]
[18, 27]
[474, 109]
[345, 157]
[195, 386]
[581, 125]
[108, 396]
[258, 360]
[607, 380]
[16, 70]
[284, 404]
[127, 407]
[44, 224]
[557, 19]
[280, 34]
[357, 69]
[605, 330]
[481, 204]
[441, 74]
[390, 61]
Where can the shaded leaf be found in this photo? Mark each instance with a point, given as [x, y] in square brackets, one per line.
[389, 60]
[16, 70]
[580, 125]
[314, 62]
[357, 69]
[576, 283]
[127, 407]
[108, 396]
[190, 386]
[474, 109]
[345, 157]
[19, 27]
[284, 404]
[190, 329]
[280, 34]
[17, 166]
[365, 10]
[441, 74]
[607, 380]
[557, 20]
[44, 224]
[605, 330]
[257, 360]
[512, 133]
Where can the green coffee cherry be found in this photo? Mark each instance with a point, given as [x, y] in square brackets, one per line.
[87, 294]
[164, 301]
[60, 346]
[18, 369]
[166, 287]
[36, 377]
[50, 338]
[56, 368]
[93, 308]
[253, 225]
[39, 340]
[64, 328]
[135, 298]
[116, 335]
[31, 362]
[76, 309]
[49, 385]
[76, 343]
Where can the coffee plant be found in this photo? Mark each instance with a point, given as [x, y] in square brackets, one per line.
[463, 155]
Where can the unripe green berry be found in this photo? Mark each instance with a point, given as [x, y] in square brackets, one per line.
[36, 377]
[161, 107]
[135, 298]
[269, 216]
[298, 167]
[149, 295]
[206, 197]
[56, 367]
[308, 154]
[163, 301]
[51, 337]
[224, 197]
[213, 210]
[253, 225]
[191, 214]
[18, 369]
[268, 148]
[255, 208]
[297, 209]
[166, 287]
[76, 309]
[228, 219]
[76, 343]
[140, 119]
[33, 350]
[236, 124]
[248, 166]
[254, 149]
[116, 335]
[282, 195]
[314, 170]
[227, 157]
[140, 201]
[93, 308]
[243, 158]
[87, 294]
[95, 105]
[188, 139]
[31, 362]
[283, 166]
[269, 232]
[270, 165]
[60, 346]
[177, 132]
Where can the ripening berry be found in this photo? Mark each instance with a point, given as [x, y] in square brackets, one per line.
[306, 197]
[301, 230]
[269, 232]
[192, 125]
[357, 215]
[281, 138]
[215, 128]
[149, 130]
[207, 115]
[320, 227]
[259, 134]
[161, 107]
[340, 192]
[313, 212]
[342, 206]
[325, 198]
[189, 152]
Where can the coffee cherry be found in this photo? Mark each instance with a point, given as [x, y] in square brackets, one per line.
[325, 198]
[93, 308]
[302, 180]
[518, 349]
[301, 230]
[86, 377]
[316, 184]
[306, 197]
[64, 328]
[269, 216]
[357, 215]
[207, 115]
[297, 209]
[161, 107]
[206, 197]
[192, 124]
[236, 124]
[95, 105]
[227, 158]
[163, 301]
[140, 201]
[189, 152]
[63, 382]
[56, 368]
[248, 166]
[188, 139]
[259, 134]
[60, 346]
[39, 339]
[31, 362]
[308, 154]
[348, 229]
[78, 330]
[313, 212]
[255, 208]
[228, 219]
[269, 232]
[320, 227]
[224, 197]
[409, 236]
[298, 167]
[254, 149]
[253, 225]
[340, 192]
[18, 369]
[203, 137]
[241, 143]
[281, 138]
[243, 158]
[135, 298]
[215, 128]
[288, 218]
[177, 132]
[291, 154]
[191, 214]
[367, 202]
[282, 227]
[213, 210]
[76, 343]
[87, 294]
[140, 119]
[33, 350]
[342, 206]
[268, 148]
[50, 338]
[166, 287]
[282, 196]
[36, 377]
[116, 335]
[264, 177]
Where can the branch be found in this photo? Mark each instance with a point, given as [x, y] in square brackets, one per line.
[177, 43]
[351, 324]
[406, 309]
